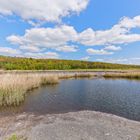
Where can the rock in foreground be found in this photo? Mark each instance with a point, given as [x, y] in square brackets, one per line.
[84, 125]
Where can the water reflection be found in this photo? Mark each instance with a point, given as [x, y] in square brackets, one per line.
[117, 96]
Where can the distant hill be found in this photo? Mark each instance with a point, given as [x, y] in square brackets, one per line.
[15, 63]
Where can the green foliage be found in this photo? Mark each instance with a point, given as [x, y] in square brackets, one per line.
[15, 63]
[13, 137]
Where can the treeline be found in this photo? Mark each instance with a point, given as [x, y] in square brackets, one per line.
[15, 63]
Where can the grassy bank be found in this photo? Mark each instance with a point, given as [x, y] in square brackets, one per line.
[129, 75]
[13, 87]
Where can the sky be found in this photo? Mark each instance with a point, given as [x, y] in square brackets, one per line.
[89, 30]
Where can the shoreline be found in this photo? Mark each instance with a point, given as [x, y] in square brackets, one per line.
[84, 124]
[14, 85]
[73, 70]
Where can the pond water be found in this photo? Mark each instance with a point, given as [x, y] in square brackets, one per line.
[120, 97]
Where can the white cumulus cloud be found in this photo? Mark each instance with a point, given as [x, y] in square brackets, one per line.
[133, 60]
[44, 10]
[86, 58]
[67, 48]
[112, 48]
[98, 52]
[65, 38]
[118, 34]
[52, 55]
[56, 38]
[9, 51]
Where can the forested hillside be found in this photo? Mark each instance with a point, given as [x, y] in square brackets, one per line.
[14, 63]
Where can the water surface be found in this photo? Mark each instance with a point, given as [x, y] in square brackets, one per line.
[120, 97]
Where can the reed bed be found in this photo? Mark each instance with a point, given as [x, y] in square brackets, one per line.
[75, 75]
[129, 75]
[13, 87]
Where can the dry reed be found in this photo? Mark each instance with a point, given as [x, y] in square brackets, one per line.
[14, 86]
[76, 75]
[129, 75]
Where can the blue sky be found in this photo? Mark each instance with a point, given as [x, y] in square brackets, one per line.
[90, 30]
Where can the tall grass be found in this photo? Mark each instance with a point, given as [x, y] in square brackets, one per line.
[76, 75]
[13, 87]
[129, 75]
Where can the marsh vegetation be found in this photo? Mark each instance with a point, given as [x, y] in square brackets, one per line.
[129, 75]
[13, 87]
